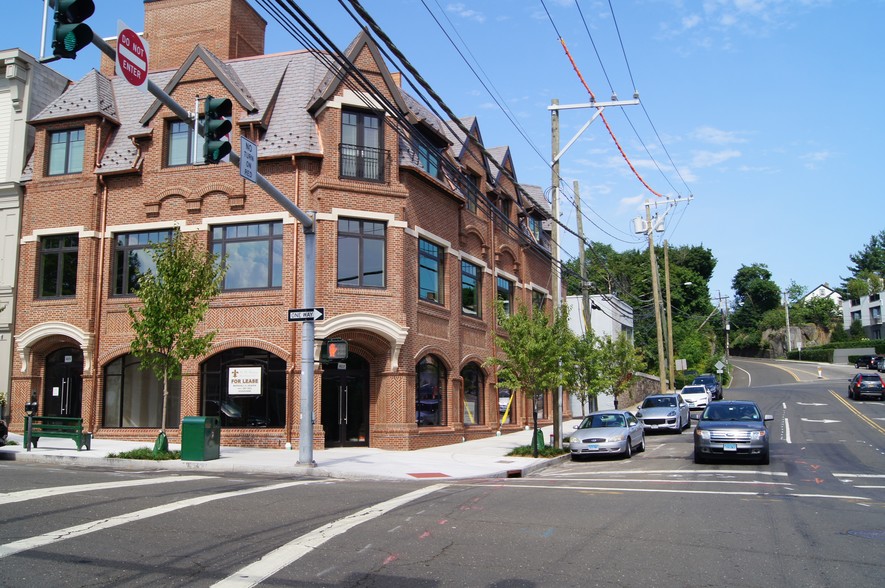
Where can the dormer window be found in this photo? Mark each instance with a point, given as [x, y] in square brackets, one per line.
[179, 144]
[66, 152]
[428, 158]
[361, 141]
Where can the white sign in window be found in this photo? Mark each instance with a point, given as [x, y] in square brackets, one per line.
[244, 381]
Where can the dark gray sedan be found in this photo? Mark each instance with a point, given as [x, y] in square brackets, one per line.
[609, 432]
[732, 429]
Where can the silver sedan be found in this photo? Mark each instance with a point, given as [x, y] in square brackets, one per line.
[610, 432]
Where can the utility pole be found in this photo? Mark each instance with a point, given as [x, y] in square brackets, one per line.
[554, 109]
[656, 292]
[555, 269]
[787, 310]
[672, 359]
[585, 285]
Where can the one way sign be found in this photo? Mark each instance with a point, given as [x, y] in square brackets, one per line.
[307, 314]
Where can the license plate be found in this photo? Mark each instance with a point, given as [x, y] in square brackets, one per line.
[593, 447]
[654, 426]
[730, 447]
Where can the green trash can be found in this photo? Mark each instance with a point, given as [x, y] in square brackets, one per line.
[200, 438]
[540, 437]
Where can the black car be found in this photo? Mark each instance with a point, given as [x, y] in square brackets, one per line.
[732, 429]
[867, 362]
[712, 384]
[866, 385]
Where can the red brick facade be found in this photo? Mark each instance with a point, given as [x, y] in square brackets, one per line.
[389, 327]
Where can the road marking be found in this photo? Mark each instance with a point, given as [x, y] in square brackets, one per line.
[787, 437]
[99, 525]
[862, 416]
[281, 557]
[824, 421]
[749, 377]
[23, 495]
[668, 491]
[859, 475]
[811, 403]
[701, 472]
[653, 481]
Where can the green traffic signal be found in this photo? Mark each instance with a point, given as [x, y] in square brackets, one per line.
[215, 128]
[70, 34]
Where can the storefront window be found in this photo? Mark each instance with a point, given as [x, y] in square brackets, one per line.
[245, 387]
[430, 405]
[473, 384]
[134, 397]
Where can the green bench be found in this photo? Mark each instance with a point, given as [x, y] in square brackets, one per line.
[60, 427]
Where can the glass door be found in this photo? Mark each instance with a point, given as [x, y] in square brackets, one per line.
[345, 403]
[63, 383]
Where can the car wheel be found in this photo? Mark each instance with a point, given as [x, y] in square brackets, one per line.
[765, 458]
[628, 452]
[641, 445]
[698, 458]
[575, 457]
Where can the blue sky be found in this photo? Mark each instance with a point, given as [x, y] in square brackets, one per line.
[770, 110]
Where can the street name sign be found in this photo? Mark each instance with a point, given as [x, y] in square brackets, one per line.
[307, 314]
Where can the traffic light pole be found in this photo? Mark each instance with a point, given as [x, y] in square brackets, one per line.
[308, 225]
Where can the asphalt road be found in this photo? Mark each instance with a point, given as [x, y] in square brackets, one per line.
[814, 517]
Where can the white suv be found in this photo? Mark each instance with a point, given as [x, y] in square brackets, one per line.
[697, 396]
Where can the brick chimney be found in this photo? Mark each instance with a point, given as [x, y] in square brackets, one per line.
[228, 28]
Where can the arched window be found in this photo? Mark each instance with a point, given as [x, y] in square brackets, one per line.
[134, 397]
[430, 392]
[473, 387]
[245, 387]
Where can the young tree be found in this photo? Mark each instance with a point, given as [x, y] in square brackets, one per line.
[586, 369]
[174, 301]
[534, 352]
[624, 360]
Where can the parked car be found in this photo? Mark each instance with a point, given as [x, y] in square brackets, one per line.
[712, 384]
[732, 429]
[4, 432]
[880, 364]
[664, 411]
[866, 362]
[608, 432]
[696, 395]
[866, 385]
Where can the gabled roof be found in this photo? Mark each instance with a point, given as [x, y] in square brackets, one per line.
[91, 96]
[225, 74]
[329, 85]
[537, 201]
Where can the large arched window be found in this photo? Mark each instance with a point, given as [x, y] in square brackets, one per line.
[134, 397]
[245, 387]
[430, 392]
[473, 386]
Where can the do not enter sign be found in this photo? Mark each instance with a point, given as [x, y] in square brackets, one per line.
[132, 57]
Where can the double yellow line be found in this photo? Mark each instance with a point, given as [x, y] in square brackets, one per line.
[861, 415]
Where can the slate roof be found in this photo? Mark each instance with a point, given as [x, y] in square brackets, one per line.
[92, 95]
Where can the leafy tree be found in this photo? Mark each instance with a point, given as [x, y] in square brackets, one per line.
[755, 293]
[534, 351]
[795, 292]
[870, 259]
[855, 331]
[624, 363]
[174, 301]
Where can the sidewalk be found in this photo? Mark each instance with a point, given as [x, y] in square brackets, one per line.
[482, 458]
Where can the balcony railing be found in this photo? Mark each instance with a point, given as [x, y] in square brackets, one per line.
[362, 163]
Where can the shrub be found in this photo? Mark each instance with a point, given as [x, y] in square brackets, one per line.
[546, 451]
[146, 453]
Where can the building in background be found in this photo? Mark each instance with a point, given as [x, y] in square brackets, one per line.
[868, 311]
[26, 87]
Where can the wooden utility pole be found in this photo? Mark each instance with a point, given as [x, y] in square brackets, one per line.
[670, 357]
[656, 291]
[585, 286]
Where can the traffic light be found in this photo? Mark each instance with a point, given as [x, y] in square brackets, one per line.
[333, 350]
[215, 146]
[70, 34]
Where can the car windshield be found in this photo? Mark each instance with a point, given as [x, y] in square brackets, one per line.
[659, 401]
[694, 390]
[596, 421]
[733, 412]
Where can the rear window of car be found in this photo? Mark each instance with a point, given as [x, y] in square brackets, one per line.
[694, 390]
[870, 378]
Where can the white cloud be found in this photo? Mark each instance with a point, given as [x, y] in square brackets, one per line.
[711, 158]
[812, 159]
[463, 11]
[716, 136]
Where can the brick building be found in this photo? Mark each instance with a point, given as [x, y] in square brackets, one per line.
[420, 230]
